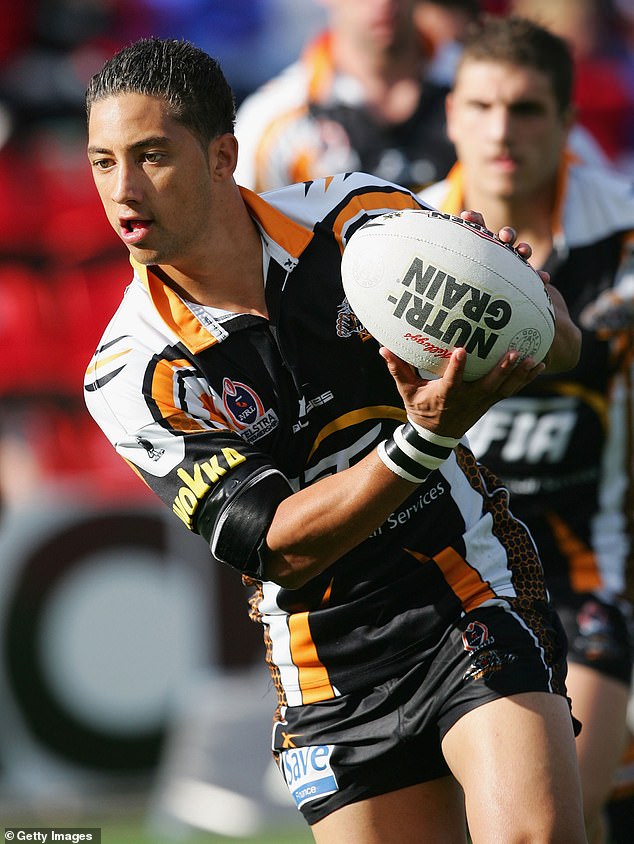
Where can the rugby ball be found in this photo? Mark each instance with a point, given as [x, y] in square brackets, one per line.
[423, 282]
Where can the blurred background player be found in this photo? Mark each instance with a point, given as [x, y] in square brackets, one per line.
[563, 447]
[358, 98]
[603, 91]
[442, 24]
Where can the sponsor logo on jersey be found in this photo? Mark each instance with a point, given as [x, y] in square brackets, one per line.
[305, 406]
[432, 294]
[403, 515]
[308, 772]
[532, 431]
[152, 452]
[197, 484]
[246, 410]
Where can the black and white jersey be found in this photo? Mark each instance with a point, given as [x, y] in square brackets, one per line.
[224, 414]
[563, 446]
[312, 120]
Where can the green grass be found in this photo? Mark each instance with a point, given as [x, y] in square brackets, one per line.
[134, 834]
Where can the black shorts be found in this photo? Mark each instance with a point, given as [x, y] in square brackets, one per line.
[599, 633]
[389, 737]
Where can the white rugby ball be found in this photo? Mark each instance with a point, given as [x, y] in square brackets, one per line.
[423, 282]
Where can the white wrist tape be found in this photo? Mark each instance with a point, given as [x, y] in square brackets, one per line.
[413, 452]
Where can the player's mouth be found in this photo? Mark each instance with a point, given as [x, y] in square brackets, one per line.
[132, 229]
[505, 163]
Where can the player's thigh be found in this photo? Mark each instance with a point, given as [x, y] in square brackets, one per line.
[515, 759]
[428, 812]
[600, 703]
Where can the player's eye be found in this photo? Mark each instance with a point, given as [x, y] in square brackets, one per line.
[102, 163]
[528, 109]
[153, 157]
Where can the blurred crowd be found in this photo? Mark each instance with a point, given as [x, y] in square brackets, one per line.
[62, 270]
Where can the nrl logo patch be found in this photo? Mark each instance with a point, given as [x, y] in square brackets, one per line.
[246, 411]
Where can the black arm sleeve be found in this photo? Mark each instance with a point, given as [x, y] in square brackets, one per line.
[235, 518]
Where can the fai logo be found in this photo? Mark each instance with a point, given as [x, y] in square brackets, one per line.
[246, 410]
[476, 636]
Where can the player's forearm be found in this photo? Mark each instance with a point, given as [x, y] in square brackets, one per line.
[317, 525]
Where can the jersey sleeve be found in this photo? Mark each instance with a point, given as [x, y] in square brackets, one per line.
[162, 417]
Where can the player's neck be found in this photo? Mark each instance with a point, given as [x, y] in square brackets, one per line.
[529, 216]
[226, 273]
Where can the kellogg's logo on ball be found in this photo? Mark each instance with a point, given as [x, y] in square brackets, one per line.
[429, 302]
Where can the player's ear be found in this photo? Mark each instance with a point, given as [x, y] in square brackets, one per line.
[223, 156]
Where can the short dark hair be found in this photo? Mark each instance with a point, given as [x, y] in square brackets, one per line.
[190, 81]
[517, 41]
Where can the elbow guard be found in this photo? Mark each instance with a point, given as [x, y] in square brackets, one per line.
[234, 519]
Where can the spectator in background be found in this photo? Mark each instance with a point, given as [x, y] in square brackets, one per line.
[357, 99]
[561, 446]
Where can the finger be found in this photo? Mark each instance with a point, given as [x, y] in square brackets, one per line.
[399, 369]
[472, 217]
[454, 373]
[507, 234]
[512, 373]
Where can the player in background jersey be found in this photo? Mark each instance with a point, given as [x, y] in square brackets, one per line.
[416, 657]
[358, 98]
[564, 446]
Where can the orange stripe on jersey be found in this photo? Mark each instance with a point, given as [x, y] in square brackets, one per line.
[302, 167]
[464, 580]
[327, 593]
[354, 418]
[313, 678]
[269, 137]
[370, 202]
[597, 401]
[174, 312]
[163, 395]
[318, 58]
[561, 185]
[583, 569]
[136, 471]
[103, 361]
[453, 202]
[288, 234]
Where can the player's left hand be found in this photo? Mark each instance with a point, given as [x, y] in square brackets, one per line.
[506, 234]
[449, 406]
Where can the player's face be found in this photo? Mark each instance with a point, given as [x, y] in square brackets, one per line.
[506, 127]
[153, 178]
